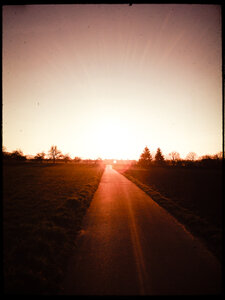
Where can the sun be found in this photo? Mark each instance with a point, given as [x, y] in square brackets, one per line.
[113, 138]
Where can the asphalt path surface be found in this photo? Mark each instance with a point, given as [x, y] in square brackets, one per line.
[130, 245]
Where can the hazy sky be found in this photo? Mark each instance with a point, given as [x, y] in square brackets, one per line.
[108, 80]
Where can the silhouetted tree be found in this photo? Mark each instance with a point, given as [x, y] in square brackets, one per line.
[145, 158]
[210, 161]
[191, 156]
[54, 153]
[219, 155]
[5, 155]
[175, 157]
[205, 157]
[18, 155]
[159, 158]
[77, 159]
[40, 156]
[66, 157]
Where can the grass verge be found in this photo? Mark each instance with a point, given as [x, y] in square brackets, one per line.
[210, 233]
[43, 208]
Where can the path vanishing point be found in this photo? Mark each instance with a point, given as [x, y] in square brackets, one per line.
[129, 245]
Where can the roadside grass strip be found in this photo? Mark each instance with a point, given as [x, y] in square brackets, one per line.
[208, 233]
[43, 208]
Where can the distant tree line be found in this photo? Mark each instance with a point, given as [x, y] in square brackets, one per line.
[146, 159]
[192, 160]
[16, 155]
[53, 155]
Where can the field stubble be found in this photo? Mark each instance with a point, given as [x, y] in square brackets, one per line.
[43, 207]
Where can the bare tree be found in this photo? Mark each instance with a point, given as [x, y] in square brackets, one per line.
[66, 157]
[191, 156]
[54, 153]
[175, 157]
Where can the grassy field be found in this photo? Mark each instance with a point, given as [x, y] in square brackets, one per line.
[43, 207]
[191, 195]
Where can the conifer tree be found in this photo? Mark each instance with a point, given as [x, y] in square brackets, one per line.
[145, 158]
[159, 158]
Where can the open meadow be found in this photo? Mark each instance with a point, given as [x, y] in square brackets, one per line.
[43, 207]
[192, 195]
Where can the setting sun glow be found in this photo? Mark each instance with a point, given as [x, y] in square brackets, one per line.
[107, 80]
[112, 137]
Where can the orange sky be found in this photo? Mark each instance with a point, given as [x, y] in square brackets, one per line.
[108, 80]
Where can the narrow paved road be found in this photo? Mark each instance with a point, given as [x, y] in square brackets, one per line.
[132, 246]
